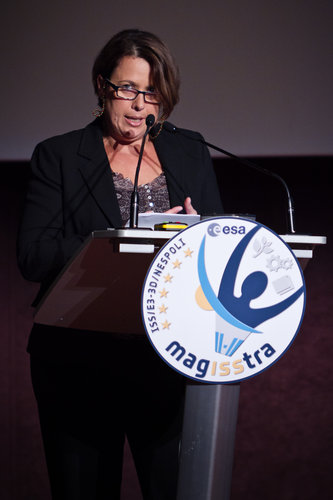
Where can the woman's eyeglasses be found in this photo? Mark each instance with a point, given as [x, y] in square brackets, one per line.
[130, 94]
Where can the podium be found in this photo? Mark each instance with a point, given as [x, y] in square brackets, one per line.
[84, 297]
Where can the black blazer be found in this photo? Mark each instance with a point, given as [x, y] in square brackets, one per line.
[71, 193]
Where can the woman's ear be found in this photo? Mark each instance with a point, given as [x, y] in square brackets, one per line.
[100, 85]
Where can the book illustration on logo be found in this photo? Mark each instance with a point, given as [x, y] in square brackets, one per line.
[235, 318]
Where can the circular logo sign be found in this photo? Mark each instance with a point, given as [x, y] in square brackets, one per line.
[223, 300]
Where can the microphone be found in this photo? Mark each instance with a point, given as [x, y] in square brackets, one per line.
[172, 129]
[134, 209]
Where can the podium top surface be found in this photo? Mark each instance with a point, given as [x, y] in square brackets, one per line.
[166, 235]
[134, 233]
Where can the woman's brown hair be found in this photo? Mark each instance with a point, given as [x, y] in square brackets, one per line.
[133, 42]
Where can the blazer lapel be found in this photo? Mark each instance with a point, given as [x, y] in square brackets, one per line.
[96, 172]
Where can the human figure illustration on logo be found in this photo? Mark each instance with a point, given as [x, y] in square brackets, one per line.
[236, 319]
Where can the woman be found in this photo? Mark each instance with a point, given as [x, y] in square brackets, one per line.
[94, 388]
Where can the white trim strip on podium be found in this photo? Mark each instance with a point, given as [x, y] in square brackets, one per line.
[132, 248]
[303, 254]
[304, 238]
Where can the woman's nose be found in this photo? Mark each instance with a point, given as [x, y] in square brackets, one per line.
[139, 102]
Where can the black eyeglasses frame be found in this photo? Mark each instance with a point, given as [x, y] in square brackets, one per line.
[137, 92]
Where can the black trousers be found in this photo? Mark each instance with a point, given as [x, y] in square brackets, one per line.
[87, 408]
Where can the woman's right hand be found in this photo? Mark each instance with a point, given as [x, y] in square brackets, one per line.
[187, 207]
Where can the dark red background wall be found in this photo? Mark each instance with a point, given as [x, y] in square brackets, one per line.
[284, 436]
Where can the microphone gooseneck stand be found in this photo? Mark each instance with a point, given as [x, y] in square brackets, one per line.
[134, 209]
[263, 170]
[291, 226]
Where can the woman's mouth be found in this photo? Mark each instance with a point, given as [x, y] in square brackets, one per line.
[134, 121]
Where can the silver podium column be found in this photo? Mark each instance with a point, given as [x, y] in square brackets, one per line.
[210, 418]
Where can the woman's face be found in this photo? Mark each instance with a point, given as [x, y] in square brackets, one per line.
[125, 119]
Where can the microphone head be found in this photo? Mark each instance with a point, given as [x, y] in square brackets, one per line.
[150, 120]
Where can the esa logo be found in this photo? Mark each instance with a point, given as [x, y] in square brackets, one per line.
[215, 229]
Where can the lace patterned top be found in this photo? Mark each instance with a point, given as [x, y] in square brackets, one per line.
[153, 196]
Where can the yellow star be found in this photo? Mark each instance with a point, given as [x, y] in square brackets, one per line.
[166, 325]
[167, 278]
[163, 309]
[176, 264]
[163, 293]
[188, 253]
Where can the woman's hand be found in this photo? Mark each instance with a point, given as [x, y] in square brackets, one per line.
[187, 206]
